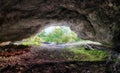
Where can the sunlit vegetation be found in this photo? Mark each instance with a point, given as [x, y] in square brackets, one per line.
[88, 55]
[34, 40]
[58, 35]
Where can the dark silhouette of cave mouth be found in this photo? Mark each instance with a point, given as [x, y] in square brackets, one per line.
[13, 50]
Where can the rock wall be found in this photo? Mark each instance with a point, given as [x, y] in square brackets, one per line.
[97, 20]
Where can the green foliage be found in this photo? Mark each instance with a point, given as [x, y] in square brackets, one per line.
[32, 41]
[89, 55]
[59, 35]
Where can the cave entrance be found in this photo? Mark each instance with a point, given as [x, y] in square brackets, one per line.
[56, 35]
[53, 35]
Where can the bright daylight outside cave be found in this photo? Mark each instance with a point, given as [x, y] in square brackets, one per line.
[59, 36]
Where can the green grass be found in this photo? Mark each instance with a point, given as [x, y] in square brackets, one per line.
[88, 55]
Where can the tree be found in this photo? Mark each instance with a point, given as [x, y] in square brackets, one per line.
[59, 35]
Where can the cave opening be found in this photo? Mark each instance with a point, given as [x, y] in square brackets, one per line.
[55, 35]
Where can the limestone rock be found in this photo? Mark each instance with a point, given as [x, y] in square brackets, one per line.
[97, 20]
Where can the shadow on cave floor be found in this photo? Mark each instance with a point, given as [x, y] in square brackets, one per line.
[42, 59]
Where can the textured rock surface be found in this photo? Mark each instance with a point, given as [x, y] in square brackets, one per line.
[97, 20]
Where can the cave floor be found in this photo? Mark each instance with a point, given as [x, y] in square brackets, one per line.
[40, 59]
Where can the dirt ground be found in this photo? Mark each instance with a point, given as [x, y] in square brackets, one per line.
[44, 60]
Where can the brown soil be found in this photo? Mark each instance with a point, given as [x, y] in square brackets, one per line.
[13, 50]
[46, 60]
